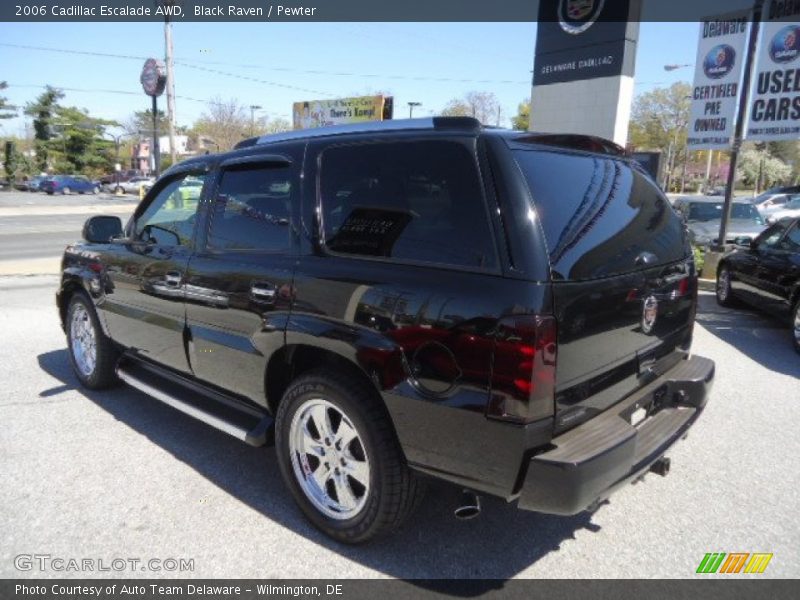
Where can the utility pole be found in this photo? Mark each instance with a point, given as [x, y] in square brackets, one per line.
[739, 130]
[170, 80]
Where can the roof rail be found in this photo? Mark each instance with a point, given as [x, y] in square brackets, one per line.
[438, 123]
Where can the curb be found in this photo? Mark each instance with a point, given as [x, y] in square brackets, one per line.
[706, 285]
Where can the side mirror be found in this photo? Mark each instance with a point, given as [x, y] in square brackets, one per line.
[100, 229]
[753, 244]
[743, 241]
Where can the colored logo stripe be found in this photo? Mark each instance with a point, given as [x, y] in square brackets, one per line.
[735, 562]
[758, 563]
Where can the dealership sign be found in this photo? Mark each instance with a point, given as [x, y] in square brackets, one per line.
[320, 113]
[717, 80]
[583, 39]
[153, 77]
[774, 106]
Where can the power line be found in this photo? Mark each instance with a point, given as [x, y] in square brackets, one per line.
[127, 93]
[201, 66]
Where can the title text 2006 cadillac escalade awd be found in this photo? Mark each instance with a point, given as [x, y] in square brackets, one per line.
[508, 311]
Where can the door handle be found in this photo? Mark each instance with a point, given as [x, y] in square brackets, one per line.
[263, 291]
[173, 278]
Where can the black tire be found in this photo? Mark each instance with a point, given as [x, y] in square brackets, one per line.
[394, 491]
[119, 190]
[103, 373]
[723, 289]
[794, 325]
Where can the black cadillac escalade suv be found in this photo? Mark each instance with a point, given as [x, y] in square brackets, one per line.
[508, 311]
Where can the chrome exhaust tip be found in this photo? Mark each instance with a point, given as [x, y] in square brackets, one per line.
[469, 507]
[661, 466]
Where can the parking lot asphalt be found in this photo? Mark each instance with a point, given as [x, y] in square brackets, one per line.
[112, 474]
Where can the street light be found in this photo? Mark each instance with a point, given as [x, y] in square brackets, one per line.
[411, 106]
[253, 109]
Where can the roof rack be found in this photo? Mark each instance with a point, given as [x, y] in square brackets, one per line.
[437, 123]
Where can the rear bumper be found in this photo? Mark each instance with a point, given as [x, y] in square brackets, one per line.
[588, 462]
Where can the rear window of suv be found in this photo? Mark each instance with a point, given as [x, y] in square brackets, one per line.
[599, 214]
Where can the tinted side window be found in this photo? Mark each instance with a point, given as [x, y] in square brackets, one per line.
[169, 219]
[252, 210]
[770, 237]
[792, 241]
[599, 214]
[415, 201]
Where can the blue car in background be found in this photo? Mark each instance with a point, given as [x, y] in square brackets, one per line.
[68, 184]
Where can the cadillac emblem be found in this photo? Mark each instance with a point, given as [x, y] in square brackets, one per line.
[576, 16]
[649, 314]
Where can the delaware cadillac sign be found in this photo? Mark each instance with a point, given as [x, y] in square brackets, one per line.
[583, 39]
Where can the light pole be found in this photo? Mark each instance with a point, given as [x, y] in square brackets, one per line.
[253, 109]
[411, 106]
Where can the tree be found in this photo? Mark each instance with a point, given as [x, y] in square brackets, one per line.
[140, 123]
[224, 124]
[42, 110]
[659, 121]
[481, 105]
[7, 111]
[522, 120]
[10, 163]
[266, 126]
[757, 161]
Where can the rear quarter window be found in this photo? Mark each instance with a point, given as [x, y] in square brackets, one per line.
[599, 214]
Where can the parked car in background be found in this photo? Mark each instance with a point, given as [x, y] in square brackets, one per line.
[507, 311]
[768, 202]
[704, 214]
[785, 211]
[110, 181]
[69, 184]
[766, 274]
[31, 184]
[135, 184]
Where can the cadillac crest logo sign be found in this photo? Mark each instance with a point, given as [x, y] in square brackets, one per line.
[719, 61]
[576, 16]
[649, 314]
[785, 45]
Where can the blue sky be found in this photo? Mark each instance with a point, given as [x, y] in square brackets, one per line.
[422, 62]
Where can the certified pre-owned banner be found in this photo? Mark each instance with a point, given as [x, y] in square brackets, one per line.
[775, 96]
[717, 80]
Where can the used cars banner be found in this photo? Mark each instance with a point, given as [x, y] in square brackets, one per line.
[717, 81]
[774, 111]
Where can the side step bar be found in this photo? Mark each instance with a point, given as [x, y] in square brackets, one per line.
[241, 424]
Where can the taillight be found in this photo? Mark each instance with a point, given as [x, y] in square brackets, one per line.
[524, 369]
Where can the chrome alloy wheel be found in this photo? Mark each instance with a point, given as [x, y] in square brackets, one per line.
[797, 323]
[723, 284]
[83, 340]
[329, 459]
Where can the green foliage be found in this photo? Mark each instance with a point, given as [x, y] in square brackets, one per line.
[10, 162]
[521, 121]
[699, 258]
[7, 111]
[141, 123]
[42, 110]
[755, 161]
